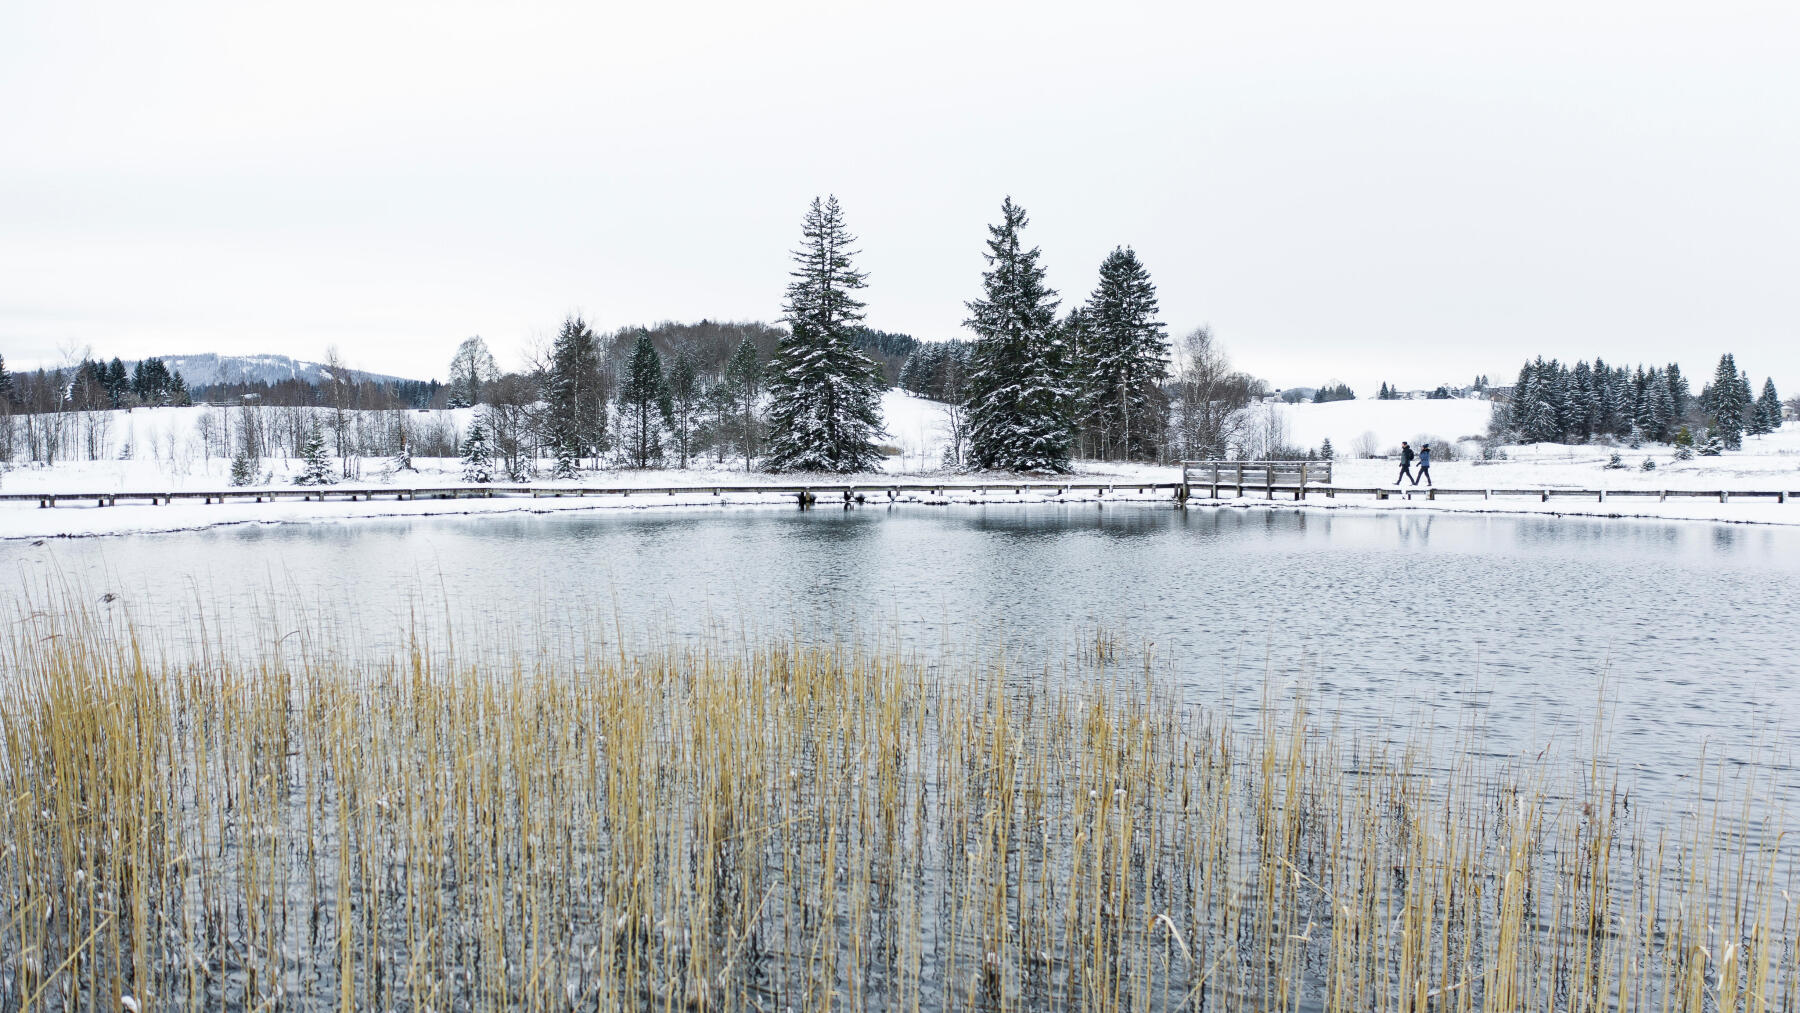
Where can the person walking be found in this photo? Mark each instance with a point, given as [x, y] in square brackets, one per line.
[1424, 465]
[1406, 460]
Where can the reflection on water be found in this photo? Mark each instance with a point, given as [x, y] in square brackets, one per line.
[1511, 626]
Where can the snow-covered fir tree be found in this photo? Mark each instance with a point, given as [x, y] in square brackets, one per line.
[1124, 360]
[243, 468]
[1768, 407]
[1326, 451]
[824, 395]
[742, 386]
[477, 455]
[316, 463]
[643, 405]
[574, 397]
[1725, 403]
[685, 399]
[568, 455]
[1016, 395]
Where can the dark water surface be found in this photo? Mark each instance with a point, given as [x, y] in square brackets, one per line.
[1498, 633]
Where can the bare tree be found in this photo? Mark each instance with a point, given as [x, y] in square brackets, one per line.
[471, 368]
[1212, 397]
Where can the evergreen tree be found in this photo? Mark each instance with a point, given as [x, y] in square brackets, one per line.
[1382, 395]
[317, 470]
[1586, 411]
[568, 455]
[1124, 362]
[1618, 394]
[1015, 395]
[6, 381]
[1768, 406]
[243, 469]
[1679, 394]
[574, 396]
[477, 456]
[684, 402]
[1725, 405]
[117, 383]
[1326, 453]
[743, 385]
[1662, 409]
[642, 398]
[824, 395]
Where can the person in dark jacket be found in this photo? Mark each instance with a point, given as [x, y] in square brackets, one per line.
[1406, 460]
[1424, 465]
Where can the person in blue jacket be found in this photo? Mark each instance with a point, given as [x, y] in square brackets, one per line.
[1406, 460]
[1424, 465]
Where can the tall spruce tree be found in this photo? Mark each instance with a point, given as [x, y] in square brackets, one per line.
[642, 405]
[1726, 404]
[743, 384]
[575, 397]
[1016, 394]
[824, 395]
[1768, 407]
[1124, 360]
[683, 407]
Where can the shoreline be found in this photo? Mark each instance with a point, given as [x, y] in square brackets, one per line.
[172, 518]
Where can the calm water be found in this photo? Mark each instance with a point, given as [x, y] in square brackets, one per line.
[1497, 633]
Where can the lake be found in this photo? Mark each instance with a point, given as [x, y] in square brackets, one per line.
[1499, 634]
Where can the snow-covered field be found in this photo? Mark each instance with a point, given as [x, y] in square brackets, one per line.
[168, 455]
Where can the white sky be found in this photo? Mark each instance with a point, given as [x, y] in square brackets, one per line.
[1414, 192]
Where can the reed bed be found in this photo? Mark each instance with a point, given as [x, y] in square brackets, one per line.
[808, 826]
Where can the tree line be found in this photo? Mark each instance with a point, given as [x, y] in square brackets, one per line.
[1031, 390]
[1553, 402]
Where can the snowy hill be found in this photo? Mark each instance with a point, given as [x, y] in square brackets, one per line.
[1380, 425]
[210, 368]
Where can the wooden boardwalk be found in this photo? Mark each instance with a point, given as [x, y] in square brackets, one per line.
[1217, 488]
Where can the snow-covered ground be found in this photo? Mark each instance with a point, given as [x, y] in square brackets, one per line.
[1358, 427]
[168, 455]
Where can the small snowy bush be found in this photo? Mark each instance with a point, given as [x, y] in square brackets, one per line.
[1615, 462]
[1648, 465]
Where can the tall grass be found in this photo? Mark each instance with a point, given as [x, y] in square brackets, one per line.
[812, 826]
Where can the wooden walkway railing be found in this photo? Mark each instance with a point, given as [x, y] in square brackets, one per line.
[1542, 494]
[1301, 482]
[806, 493]
[1257, 474]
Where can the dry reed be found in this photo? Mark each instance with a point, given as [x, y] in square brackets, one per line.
[797, 826]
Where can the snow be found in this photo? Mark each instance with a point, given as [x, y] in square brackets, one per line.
[166, 456]
[1345, 422]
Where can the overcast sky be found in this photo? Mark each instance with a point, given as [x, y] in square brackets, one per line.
[1415, 192]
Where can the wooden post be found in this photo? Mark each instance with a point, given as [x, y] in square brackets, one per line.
[1240, 480]
[1546, 497]
[1724, 496]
